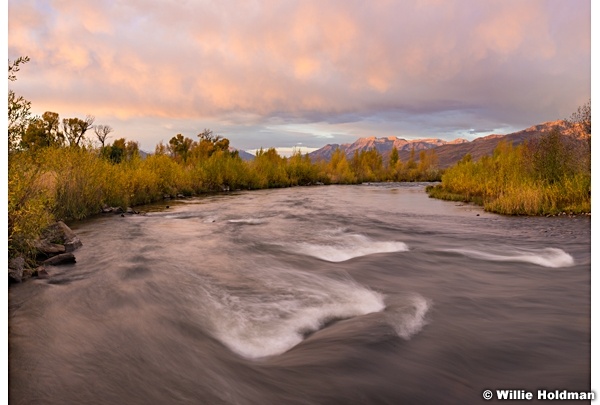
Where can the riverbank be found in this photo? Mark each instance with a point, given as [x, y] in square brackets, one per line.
[515, 204]
[548, 177]
[72, 183]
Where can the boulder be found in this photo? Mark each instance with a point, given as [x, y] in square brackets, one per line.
[15, 270]
[56, 245]
[41, 272]
[46, 248]
[106, 209]
[119, 210]
[111, 210]
[64, 258]
[60, 234]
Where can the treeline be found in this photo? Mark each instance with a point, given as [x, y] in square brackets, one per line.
[72, 182]
[546, 176]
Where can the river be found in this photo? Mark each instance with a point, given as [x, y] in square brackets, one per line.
[369, 294]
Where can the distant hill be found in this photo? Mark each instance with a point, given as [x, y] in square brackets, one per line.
[243, 154]
[448, 152]
[383, 146]
[448, 155]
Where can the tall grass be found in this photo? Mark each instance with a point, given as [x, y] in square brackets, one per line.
[523, 180]
[30, 203]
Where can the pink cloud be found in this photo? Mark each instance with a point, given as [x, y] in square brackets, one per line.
[300, 59]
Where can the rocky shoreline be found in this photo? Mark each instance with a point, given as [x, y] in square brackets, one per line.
[54, 247]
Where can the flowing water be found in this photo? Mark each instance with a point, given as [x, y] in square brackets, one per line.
[371, 294]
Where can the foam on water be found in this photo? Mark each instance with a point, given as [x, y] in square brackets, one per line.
[270, 318]
[409, 318]
[547, 257]
[347, 246]
[247, 221]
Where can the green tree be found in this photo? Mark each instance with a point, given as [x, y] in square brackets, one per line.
[122, 150]
[117, 151]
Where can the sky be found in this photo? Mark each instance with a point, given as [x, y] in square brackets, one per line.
[303, 74]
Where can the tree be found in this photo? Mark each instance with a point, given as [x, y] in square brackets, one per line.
[428, 159]
[102, 132]
[551, 157]
[209, 143]
[161, 149]
[116, 152]
[428, 162]
[393, 157]
[207, 135]
[132, 150]
[180, 147]
[583, 150]
[121, 150]
[367, 165]
[466, 159]
[51, 127]
[411, 164]
[34, 135]
[19, 109]
[338, 168]
[270, 169]
[43, 132]
[14, 67]
[583, 117]
[74, 129]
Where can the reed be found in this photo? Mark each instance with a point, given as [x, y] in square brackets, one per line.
[30, 202]
[525, 180]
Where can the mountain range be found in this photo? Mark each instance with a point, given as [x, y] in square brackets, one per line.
[448, 152]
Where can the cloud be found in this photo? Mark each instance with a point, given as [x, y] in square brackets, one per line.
[498, 63]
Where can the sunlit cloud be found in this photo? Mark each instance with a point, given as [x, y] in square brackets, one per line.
[392, 67]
